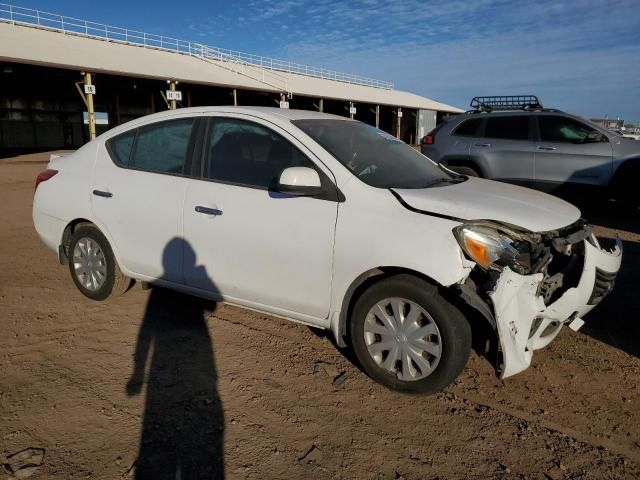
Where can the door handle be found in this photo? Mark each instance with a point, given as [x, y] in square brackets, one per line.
[544, 147]
[102, 193]
[483, 144]
[207, 210]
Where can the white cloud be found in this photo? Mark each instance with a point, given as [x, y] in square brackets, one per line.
[583, 56]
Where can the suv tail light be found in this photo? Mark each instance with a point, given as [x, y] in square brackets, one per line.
[427, 140]
[44, 176]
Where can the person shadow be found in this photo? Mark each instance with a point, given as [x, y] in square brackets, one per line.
[183, 423]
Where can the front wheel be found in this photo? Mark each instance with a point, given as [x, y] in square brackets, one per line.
[92, 265]
[408, 337]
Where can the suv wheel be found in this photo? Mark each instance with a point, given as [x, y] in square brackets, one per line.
[468, 171]
[92, 265]
[407, 337]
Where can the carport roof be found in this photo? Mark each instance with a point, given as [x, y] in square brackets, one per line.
[25, 44]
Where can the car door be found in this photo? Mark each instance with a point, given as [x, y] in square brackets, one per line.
[261, 248]
[138, 193]
[504, 148]
[570, 151]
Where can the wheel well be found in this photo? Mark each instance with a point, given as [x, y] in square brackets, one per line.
[463, 162]
[621, 174]
[366, 280]
[66, 237]
[482, 330]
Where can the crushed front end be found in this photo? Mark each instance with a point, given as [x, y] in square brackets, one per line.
[529, 285]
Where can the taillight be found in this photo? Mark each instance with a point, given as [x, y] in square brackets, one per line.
[427, 140]
[44, 176]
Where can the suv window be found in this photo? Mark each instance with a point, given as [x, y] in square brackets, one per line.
[563, 129]
[468, 128]
[243, 152]
[160, 147]
[508, 128]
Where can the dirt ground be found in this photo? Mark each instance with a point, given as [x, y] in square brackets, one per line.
[256, 397]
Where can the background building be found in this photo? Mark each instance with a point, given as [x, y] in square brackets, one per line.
[45, 59]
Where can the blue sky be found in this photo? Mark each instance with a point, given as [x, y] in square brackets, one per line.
[582, 56]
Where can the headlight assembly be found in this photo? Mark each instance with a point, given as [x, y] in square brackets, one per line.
[488, 247]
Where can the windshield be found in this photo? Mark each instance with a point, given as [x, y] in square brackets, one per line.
[374, 156]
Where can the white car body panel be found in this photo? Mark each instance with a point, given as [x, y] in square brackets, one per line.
[141, 233]
[517, 305]
[297, 257]
[263, 260]
[478, 198]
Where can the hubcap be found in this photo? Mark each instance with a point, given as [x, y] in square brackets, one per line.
[403, 338]
[89, 264]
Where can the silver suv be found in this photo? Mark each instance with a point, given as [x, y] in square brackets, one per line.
[514, 139]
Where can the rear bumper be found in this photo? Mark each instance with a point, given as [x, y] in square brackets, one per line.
[49, 228]
[523, 321]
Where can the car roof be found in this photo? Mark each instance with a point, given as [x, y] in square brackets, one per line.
[262, 112]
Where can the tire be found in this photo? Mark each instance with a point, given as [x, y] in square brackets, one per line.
[89, 249]
[624, 186]
[468, 171]
[451, 337]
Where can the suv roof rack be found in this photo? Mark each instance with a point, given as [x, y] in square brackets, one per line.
[506, 102]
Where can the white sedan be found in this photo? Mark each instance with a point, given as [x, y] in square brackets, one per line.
[329, 222]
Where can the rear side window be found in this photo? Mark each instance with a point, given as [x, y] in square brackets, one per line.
[161, 147]
[121, 147]
[468, 128]
[508, 128]
[249, 154]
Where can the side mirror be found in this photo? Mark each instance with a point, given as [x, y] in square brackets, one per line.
[303, 181]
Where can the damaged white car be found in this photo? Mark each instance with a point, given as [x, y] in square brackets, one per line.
[329, 222]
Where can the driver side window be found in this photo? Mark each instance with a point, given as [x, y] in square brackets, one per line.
[246, 153]
[563, 129]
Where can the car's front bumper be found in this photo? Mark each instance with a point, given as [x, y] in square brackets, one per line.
[524, 323]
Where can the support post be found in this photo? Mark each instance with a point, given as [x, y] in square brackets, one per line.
[117, 109]
[172, 87]
[399, 119]
[377, 116]
[90, 108]
[351, 110]
[235, 97]
[321, 105]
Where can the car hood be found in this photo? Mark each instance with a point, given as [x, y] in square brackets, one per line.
[479, 199]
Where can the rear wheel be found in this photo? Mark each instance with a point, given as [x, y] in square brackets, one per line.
[92, 265]
[408, 337]
[468, 171]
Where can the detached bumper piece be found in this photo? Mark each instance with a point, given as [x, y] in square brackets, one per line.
[527, 319]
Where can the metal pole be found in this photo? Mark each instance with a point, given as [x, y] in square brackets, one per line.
[321, 105]
[92, 115]
[172, 87]
[235, 97]
[377, 116]
[350, 107]
[399, 118]
[117, 109]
